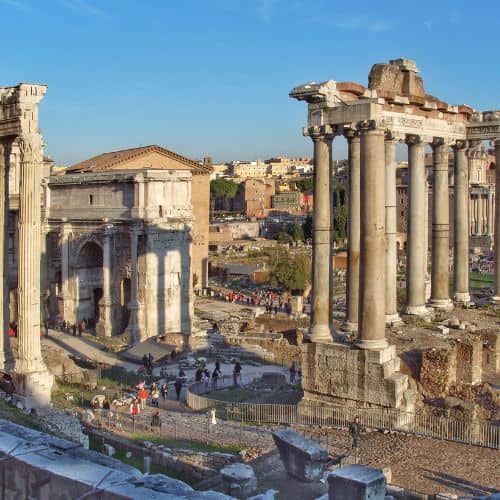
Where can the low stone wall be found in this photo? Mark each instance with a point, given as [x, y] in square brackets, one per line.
[438, 371]
[191, 465]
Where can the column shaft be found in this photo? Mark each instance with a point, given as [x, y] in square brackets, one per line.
[440, 229]
[372, 215]
[461, 250]
[353, 240]
[133, 305]
[6, 359]
[496, 297]
[68, 304]
[415, 285]
[320, 324]
[479, 214]
[391, 255]
[104, 327]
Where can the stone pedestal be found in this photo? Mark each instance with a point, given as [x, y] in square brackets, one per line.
[239, 480]
[32, 380]
[334, 374]
[302, 458]
[357, 482]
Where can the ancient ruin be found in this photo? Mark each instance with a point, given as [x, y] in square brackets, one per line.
[19, 129]
[393, 109]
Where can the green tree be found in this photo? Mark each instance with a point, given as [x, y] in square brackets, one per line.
[296, 232]
[307, 227]
[284, 237]
[223, 188]
[292, 273]
[305, 184]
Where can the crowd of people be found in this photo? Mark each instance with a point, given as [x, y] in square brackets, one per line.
[72, 328]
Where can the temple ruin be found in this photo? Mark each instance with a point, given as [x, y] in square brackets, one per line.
[393, 109]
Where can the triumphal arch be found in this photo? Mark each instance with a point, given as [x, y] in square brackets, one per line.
[19, 130]
[394, 108]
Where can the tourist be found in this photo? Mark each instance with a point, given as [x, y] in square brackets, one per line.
[293, 372]
[236, 373]
[73, 329]
[143, 396]
[206, 378]
[79, 329]
[145, 362]
[198, 375]
[355, 433]
[164, 391]
[155, 397]
[64, 325]
[156, 421]
[211, 415]
[182, 373]
[215, 377]
[135, 408]
[46, 327]
[178, 388]
[173, 354]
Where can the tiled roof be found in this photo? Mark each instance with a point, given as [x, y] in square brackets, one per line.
[112, 160]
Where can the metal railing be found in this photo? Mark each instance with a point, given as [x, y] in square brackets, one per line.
[311, 415]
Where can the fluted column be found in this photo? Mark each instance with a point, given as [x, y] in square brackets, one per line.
[353, 231]
[133, 305]
[496, 297]
[415, 275]
[104, 327]
[6, 359]
[372, 214]
[461, 208]
[391, 255]
[479, 213]
[33, 382]
[440, 297]
[320, 321]
[491, 217]
[67, 297]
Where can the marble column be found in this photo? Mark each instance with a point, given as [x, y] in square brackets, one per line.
[479, 213]
[67, 297]
[6, 359]
[440, 296]
[391, 255]
[490, 212]
[105, 325]
[33, 381]
[496, 297]
[416, 251]
[133, 305]
[461, 208]
[320, 321]
[372, 256]
[353, 231]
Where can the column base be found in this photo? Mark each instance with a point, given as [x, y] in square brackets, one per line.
[6, 361]
[320, 333]
[421, 311]
[462, 298]
[33, 388]
[442, 304]
[372, 343]
[349, 327]
[393, 319]
[495, 299]
[103, 329]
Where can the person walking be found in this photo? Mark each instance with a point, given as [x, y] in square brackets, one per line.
[155, 397]
[355, 433]
[135, 409]
[215, 377]
[236, 373]
[143, 396]
[178, 388]
[164, 391]
[293, 372]
[156, 421]
[79, 329]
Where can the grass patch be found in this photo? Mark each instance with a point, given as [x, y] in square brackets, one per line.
[477, 280]
[185, 444]
[17, 416]
[118, 374]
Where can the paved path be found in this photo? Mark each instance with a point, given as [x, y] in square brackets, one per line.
[85, 348]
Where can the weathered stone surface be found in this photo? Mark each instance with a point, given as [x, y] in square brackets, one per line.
[356, 482]
[239, 480]
[302, 458]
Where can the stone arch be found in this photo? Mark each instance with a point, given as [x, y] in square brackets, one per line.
[89, 261]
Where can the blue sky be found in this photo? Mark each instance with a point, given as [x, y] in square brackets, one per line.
[211, 77]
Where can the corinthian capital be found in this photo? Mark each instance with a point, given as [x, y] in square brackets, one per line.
[413, 139]
[30, 147]
[321, 133]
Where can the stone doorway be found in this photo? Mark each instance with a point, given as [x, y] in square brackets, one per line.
[89, 273]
